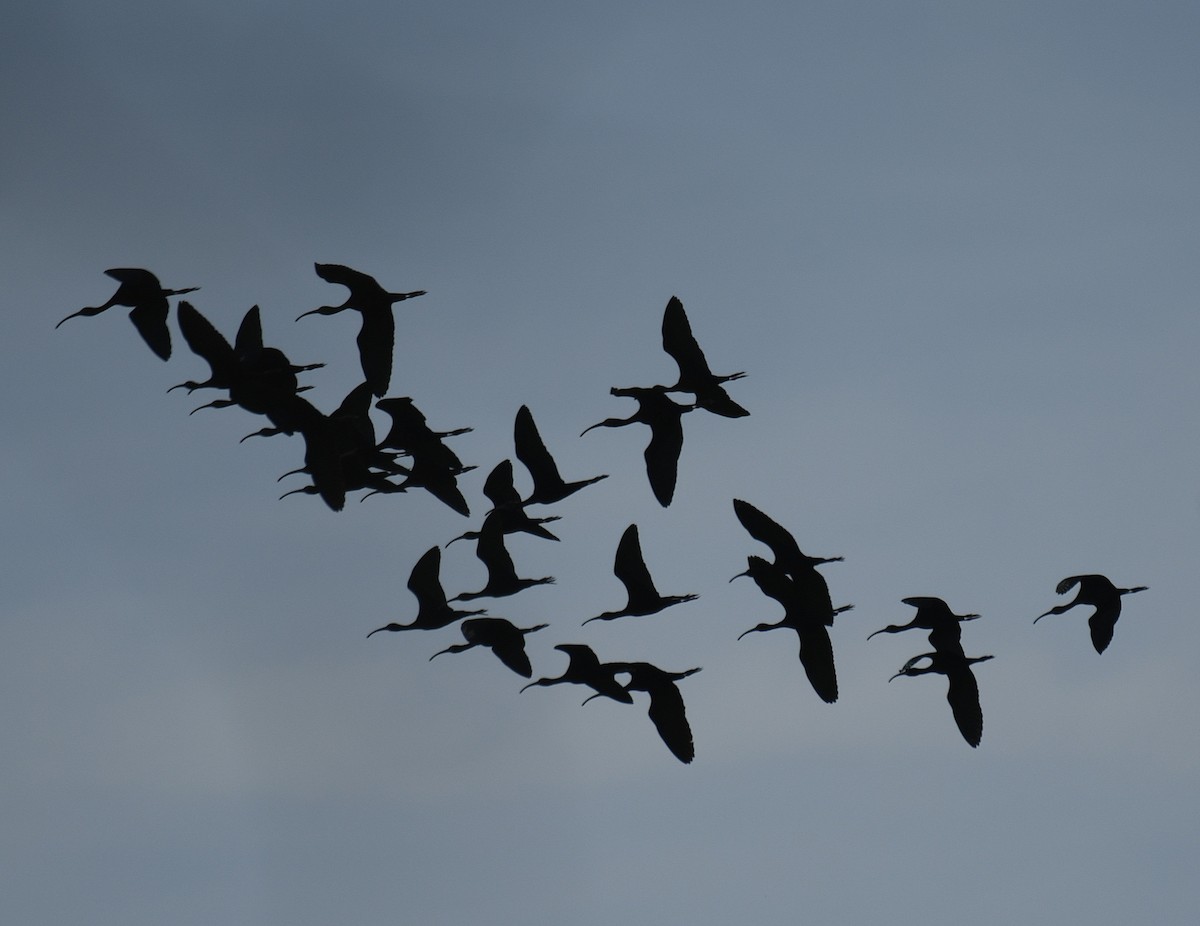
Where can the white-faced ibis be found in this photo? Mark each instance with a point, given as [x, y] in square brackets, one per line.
[548, 486]
[630, 567]
[666, 703]
[409, 432]
[140, 290]
[376, 337]
[934, 615]
[664, 418]
[508, 507]
[694, 375]
[433, 610]
[1101, 594]
[502, 637]
[502, 575]
[585, 668]
[963, 693]
[765, 529]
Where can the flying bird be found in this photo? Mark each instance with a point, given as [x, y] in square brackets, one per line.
[502, 637]
[765, 529]
[1105, 597]
[666, 703]
[585, 668]
[630, 567]
[934, 615]
[508, 507]
[963, 693]
[810, 623]
[664, 418]
[144, 295]
[502, 575]
[376, 337]
[694, 375]
[548, 485]
[433, 610]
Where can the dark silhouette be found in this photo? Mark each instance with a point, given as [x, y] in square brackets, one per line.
[410, 433]
[1105, 597]
[508, 507]
[694, 375]
[548, 485]
[502, 575]
[340, 452]
[806, 591]
[934, 615]
[259, 379]
[145, 296]
[433, 610]
[502, 637]
[376, 337]
[666, 703]
[630, 567]
[963, 693]
[439, 481]
[807, 614]
[435, 467]
[585, 668]
[783, 545]
[664, 418]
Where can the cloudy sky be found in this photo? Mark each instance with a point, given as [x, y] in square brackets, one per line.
[954, 249]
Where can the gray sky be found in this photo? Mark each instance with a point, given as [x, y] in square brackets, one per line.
[954, 248]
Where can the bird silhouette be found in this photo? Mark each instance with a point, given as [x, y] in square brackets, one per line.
[548, 486]
[805, 592]
[694, 375]
[502, 575]
[934, 615]
[340, 452]
[664, 417]
[630, 567]
[435, 467]
[508, 507]
[666, 703]
[141, 291]
[433, 610]
[502, 637]
[376, 337]
[410, 433]
[963, 691]
[1105, 597]
[807, 613]
[584, 668]
[765, 529]
[248, 367]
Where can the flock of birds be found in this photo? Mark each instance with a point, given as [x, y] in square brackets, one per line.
[343, 454]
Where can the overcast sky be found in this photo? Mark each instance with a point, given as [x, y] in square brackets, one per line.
[954, 248]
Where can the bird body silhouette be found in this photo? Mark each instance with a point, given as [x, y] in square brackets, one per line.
[508, 507]
[630, 567]
[664, 418]
[963, 691]
[666, 709]
[1100, 593]
[934, 615]
[141, 291]
[585, 668]
[810, 620]
[501, 636]
[376, 337]
[433, 610]
[502, 575]
[786, 551]
[694, 375]
[548, 486]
